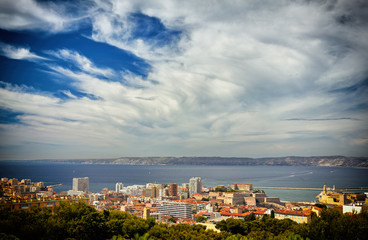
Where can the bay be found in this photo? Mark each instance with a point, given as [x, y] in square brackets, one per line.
[106, 175]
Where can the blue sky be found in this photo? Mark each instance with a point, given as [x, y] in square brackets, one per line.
[101, 79]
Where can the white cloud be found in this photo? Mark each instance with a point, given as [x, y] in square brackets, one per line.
[18, 53]
[34, 15]
[82, 62]
[230, 86]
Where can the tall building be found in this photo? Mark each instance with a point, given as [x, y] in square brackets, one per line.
[173, 189]
[152, 191]
[119, 187]
[175, 209]
[146, 213]
[195, 185]
[81, 184]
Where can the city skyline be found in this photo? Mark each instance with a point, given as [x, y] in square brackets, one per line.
[105, 79]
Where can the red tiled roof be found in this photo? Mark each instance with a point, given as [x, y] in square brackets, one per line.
[262, 212]
[317, 208]
[292, 212]
[186, 200]
[204, 213]
[235, 214]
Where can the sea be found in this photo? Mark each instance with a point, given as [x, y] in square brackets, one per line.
[107, 175]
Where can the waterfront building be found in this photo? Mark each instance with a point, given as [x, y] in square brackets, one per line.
[256, 198]
[234, 198]
[81, 184]
[175, 209]
[195, 185]
[119, 187]
[242, 187]
[353, 208]
[335, 198]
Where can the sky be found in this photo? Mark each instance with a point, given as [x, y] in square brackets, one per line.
[105, 79]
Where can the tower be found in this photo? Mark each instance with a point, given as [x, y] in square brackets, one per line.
[81, 184]
[146, 213]
[195, 185]
[119, 187]
[173, 189]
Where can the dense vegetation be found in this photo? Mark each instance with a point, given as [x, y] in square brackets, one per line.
[79, 221]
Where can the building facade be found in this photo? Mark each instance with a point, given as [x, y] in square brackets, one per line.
[296, 216]
[81, 184]
[175, 209]
[242, 187]
[173, 189]
[195, 185]
[119, 187]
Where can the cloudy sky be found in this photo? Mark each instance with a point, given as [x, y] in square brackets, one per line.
[93, 79]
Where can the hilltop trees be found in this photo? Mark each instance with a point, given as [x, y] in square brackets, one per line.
[80, 221]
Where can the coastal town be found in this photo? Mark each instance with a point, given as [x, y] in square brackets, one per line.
[172, 203]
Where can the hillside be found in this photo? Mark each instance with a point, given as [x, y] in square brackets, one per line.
[330, 161]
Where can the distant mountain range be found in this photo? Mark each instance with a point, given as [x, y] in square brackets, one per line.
[329, 161]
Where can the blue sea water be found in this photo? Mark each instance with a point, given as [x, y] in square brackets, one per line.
[104, 175]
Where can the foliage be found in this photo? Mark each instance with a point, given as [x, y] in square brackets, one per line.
[320, 205]
[172, 220]
[80, 221]
[250, 217]
[201, 219]
[331, 225]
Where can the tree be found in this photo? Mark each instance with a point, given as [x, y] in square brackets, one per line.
[320, 205]
[250, 217]
[201, 219]
[172, 220]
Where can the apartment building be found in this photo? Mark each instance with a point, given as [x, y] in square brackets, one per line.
[81, 184]
[195, 185]
[175, 209]
[173, 189]
[296, 216]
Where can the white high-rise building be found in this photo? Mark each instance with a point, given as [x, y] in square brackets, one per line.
[119, 187]
[81, 184]
[175, 209]
[195, 185]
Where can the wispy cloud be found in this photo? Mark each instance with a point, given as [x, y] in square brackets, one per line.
[34, 15]
[249, 78]
[19, 53]
[82, 62]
